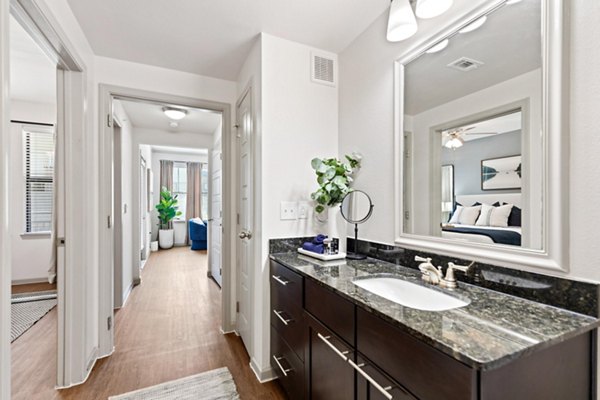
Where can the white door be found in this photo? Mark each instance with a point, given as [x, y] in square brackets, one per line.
[245, 132]
[216, 217]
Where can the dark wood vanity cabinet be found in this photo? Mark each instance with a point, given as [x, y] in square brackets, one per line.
[331, 349]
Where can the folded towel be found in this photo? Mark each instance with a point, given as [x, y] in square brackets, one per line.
[319, 239]
[315, 248]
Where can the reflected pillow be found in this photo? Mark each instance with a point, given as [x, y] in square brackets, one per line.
[499, 216]
[484, 217]
[468, 215]
[456, 215]
[514, 219]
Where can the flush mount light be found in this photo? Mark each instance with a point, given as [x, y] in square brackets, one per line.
[432, 8]
[437, 47]
[513, 1]
[174, 113]
[402, 23]
[474, 25]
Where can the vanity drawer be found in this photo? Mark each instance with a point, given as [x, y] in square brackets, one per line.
[426, 372]
[367, 389]
[331, 309]
[286, 283]
[288, 367]
[287, 318]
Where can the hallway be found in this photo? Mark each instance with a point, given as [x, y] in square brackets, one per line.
[168, 329]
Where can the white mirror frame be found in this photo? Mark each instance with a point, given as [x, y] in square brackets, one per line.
[554, 257]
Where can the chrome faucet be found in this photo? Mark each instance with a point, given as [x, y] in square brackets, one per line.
[449, 280]
[429, 273]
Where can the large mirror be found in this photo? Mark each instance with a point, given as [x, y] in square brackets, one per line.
[475, 134]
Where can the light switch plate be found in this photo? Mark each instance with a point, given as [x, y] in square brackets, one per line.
[289, 210]
[303, 207]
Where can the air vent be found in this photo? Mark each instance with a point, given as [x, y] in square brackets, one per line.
[465, 64]
[323, 69]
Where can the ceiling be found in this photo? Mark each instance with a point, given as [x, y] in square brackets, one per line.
[509, 44]
[151, 116]
[178, 150]
[213, 37]
[507, 123]
[32, 74]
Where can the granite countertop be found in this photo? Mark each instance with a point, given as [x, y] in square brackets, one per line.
[493, 329]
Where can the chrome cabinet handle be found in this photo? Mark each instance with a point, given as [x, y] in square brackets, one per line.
[285, 321]
[285, 371]
[325, 340]
[278, 279]
[381, 389]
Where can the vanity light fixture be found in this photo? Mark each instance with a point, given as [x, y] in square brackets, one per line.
[174, 113]
[432, 8]
[437, 47]
[474, 25]
[402, 23]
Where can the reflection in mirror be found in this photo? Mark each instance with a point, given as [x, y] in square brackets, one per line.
[473, 113]
[356, 208]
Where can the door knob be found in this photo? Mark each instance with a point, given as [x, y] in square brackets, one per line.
[245, 235]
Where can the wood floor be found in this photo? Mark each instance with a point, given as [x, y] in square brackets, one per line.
[168, 329]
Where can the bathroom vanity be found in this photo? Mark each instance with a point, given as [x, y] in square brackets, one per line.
[331, 339]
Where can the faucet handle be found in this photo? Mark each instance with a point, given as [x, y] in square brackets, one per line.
[463, 268]
[423, 259]
[449, 280]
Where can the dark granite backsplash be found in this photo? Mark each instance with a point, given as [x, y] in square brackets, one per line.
[572, 295]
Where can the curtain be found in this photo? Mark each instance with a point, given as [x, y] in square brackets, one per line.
[166, 178]
[54, 250]
[193, 203]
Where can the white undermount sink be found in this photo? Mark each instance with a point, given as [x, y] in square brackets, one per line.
[409, 294]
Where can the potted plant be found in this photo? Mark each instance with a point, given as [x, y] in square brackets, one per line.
[167, 210]
[334, 178]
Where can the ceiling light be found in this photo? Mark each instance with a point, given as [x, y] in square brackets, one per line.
[454, 143]
[437, 47]
[402, 23]
[173, 124]
[432, 8]
[174, 113]
[474, 25]
[513, 1]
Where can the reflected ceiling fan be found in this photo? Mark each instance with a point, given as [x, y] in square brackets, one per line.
[455, 138]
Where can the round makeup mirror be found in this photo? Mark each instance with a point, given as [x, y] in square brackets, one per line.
[356, 208]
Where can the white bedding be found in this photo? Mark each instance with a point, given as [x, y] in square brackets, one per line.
[468, 237]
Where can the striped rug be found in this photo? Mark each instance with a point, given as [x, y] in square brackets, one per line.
[217, 384]
[27, 309]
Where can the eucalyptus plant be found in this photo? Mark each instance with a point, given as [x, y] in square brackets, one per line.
[167, 208]
[334, 178]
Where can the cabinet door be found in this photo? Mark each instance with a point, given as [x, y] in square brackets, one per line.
[331, 377]
[373, 384]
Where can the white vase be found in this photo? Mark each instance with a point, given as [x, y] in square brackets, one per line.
[336, 227]
[165, 238]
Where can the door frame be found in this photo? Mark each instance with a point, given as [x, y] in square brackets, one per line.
[73, 361]
[107, 94]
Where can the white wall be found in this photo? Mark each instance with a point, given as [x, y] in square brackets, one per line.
[297, 121]
[30, 254]
[146, 153]
[156, 157]
[366, 123]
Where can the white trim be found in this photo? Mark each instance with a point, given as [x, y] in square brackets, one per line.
[263, 375]
[107, 93]
[29, 281]
[555, 256]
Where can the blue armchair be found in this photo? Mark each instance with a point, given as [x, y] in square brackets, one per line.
[197, 229]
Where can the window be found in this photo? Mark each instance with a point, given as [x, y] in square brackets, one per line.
[204, 201]
[38, 152]
[180, 185]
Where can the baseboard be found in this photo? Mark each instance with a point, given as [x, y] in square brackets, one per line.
[264, 375]
[28, 281]
[126, 294]
[90, 366]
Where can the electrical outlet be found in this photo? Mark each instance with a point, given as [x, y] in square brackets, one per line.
[289, 210]
[303, 207]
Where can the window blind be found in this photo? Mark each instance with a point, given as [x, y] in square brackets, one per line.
[180, 186]
[39, 174]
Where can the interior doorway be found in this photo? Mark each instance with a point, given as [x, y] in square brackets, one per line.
[173, 154]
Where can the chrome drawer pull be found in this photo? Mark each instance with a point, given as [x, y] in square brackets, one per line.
[285, 321]
[325, 340]
[382, 390]
[285, 371]
[278, 279]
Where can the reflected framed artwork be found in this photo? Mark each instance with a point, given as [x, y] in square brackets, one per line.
[501, 173]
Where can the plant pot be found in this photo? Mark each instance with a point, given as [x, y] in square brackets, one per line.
[165, 238]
